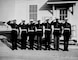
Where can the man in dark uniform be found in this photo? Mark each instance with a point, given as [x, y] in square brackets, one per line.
[13, 33]
[31, 32]
[56, 33]
[39, 30]
[48, 29]
[23, 30]
[66, 34]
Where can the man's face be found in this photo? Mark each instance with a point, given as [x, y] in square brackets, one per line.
[23, 21]
[14, 21]
[56, 20]
[38, 21]
[31, 22]
[47, 20]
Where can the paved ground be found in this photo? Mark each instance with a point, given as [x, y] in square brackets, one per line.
[7, 54]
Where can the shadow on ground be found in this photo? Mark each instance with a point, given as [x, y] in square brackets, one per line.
[6, 43]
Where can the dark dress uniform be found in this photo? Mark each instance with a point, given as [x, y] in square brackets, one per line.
[13, 34]
[39, 30]
[56, 33]
[23, 35]
[47, 35]
[66, 34]
[31, 32]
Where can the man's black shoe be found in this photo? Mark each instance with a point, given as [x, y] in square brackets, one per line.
[65, 50]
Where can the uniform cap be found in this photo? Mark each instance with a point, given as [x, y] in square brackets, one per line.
[23, 20]
[66, 18]
[31, 19]
[57, 19]
[47, 19]
[14, 20]
[38, 20]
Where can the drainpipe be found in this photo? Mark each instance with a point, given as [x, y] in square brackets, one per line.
[53, 7]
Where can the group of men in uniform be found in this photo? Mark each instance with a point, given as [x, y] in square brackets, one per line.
[31, 30]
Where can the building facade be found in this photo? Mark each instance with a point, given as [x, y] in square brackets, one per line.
[40, 10]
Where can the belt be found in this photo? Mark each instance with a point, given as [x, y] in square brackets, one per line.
[14, 29]
[31, 30]
[48, 29]
[39, 29]
[56, 29]
[66, 29]
[24, 29]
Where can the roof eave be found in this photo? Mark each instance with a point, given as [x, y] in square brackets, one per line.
[62, 2]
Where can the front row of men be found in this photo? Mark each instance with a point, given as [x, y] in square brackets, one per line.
[38, 30]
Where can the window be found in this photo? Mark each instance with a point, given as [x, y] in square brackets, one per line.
[33, 12]
[73, 31]
[63, 14]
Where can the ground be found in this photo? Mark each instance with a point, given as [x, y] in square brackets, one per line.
[7, 54]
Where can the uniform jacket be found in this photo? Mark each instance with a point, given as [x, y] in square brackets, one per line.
[57, 25]
[67, 26]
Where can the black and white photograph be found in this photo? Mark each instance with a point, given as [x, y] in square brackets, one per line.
[38, 29]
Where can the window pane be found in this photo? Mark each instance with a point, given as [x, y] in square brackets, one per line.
[63, 14]
[33, 12]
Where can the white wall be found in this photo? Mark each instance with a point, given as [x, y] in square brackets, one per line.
[7, 10]
[22, 9]
[19, 9]
[73, 19]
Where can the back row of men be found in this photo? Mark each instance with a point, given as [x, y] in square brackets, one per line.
[56, 28]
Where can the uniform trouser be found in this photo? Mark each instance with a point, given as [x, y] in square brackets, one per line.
[23, 39]
[47, 39]
[14, 39]
[66, 41]
[56, 42]
[31, 39]
[39, 39]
